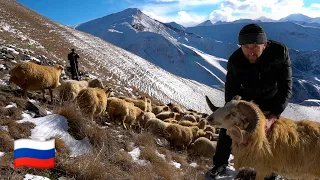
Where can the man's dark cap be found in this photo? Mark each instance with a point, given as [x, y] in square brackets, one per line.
[252, 34]
[72, 49]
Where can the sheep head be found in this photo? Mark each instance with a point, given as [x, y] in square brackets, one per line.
[239, 117]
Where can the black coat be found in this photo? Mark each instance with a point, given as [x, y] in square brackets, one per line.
[267, 82]
[73, 58]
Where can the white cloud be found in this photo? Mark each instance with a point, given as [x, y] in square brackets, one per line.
[182, 11]
[231, 10]
[182, 17]
[188, 2]
[315, 5]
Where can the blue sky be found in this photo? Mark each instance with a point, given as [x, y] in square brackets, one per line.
[184, 12]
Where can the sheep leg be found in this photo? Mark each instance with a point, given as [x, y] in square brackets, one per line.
[123, 119]
[260, 176]
[25, 93]
[50, 90]
[43, 95]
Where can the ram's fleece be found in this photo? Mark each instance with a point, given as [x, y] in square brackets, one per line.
[291, 149]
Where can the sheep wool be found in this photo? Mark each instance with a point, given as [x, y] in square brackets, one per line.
[31, 77]
[93, 101]
[203, 147]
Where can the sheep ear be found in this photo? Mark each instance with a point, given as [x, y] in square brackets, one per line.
[236, 134]
[251, 114]
[237, 98]
[211, 106]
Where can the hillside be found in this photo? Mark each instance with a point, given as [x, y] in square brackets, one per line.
[99, 149]
[162, 44]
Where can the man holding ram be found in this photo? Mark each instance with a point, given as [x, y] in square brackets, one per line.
[260, 70]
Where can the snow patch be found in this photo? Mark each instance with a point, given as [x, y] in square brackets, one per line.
[113, 30]
[11, 104]
[2, 67]
[194, 164]
[163, 156]
[56, 125]
[34, 177]
[4, 128]
[175, 164]
[135, 154]
[2, 154]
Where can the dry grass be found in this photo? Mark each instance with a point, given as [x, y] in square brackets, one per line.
[75, 120]
[6, 142]
[20, 130]
[60, 146]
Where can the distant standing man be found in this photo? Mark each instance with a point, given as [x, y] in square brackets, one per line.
[73, 58]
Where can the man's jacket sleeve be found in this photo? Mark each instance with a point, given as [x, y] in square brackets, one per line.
[284, 77]
[232, 85]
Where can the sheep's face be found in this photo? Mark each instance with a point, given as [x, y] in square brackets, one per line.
[229, 116]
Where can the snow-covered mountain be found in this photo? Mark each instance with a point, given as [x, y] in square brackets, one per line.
[294, 18]
[165, 45]
[265, 19]
[301, 18]
[200, 53]
[206, 23]
[173, 25]
[293, 35]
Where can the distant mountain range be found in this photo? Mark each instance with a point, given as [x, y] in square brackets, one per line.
[200, 53]
[296, 18]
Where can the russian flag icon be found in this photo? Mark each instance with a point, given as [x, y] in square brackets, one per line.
[34, 153]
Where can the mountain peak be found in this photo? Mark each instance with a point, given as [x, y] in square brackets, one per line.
[206, 23]
[297, 17]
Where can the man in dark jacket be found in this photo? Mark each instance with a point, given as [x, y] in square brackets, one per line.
[73, 58]
[260, 70]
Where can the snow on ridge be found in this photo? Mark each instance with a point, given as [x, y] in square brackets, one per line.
[209, 58]
[113, 30]
[140, 73]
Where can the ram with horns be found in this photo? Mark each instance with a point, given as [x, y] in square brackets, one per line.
[290, 149]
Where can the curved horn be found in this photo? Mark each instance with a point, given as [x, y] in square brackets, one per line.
[252, 115]
[211, 106]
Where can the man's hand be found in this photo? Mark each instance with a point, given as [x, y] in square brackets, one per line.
[270, 119]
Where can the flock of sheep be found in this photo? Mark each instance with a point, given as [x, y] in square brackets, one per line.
[291, 149]
[184, 129]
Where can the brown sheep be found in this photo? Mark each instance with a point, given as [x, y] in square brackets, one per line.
[203, 147]
[290, 149]
[158, 109]
[147, 116]
[124, 112]
[189, 117]
[175, 108]
[202, 123]
[144, 104]
[31, 77]
[210, 129]
[165, 115]
[69, 89]
[181, 136]
[156, 126]
[93, 101]
[188, 123]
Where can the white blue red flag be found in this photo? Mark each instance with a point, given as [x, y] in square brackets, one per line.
[34, 153]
